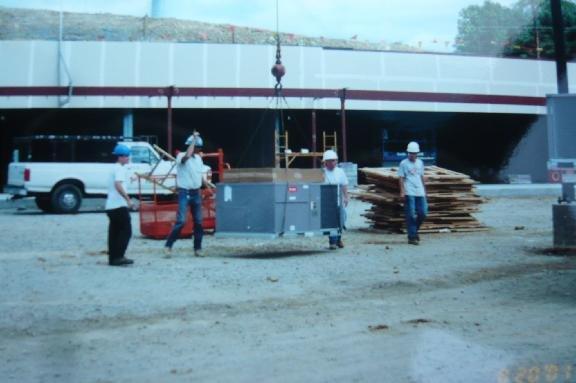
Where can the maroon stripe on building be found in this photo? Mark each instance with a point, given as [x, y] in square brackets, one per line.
[350, 94]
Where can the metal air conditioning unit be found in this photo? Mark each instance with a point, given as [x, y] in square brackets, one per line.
[276, 209]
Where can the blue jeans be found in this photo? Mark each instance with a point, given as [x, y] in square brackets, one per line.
[192, 197]
[415, 209]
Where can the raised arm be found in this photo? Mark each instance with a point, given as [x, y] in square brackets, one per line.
[190, 151]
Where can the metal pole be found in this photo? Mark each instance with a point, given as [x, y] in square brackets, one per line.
[535, 26]
[60, 55]
[559, 46]
[277, 139]
[343, 121]
[169, 130]
[314, 137]
[60, 32]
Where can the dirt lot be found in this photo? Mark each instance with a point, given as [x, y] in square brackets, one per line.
[477, 307]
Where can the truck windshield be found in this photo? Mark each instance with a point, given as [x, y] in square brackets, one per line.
[142, 155]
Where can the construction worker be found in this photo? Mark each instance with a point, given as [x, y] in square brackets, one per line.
[334, 175]
[190, 176]
[413, 191]
[118, 203]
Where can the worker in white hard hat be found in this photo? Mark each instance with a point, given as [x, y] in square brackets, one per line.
[334, 175]
[190, 176]
[413, 191]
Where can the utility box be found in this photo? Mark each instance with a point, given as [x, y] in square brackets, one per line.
[276, 209]
[561, 122]
[559, 169]
[564, 218]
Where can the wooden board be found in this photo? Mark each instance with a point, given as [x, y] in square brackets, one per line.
[248, 175]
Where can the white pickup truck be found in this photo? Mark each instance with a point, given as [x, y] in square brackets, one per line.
[59, 187]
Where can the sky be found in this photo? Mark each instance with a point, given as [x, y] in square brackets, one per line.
[430, 24]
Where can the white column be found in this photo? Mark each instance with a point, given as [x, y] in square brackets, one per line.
[128, 125]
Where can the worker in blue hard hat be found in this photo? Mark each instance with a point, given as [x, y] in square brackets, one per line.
[334, 175]
[413, 191]
[118, 204]
[190, 176]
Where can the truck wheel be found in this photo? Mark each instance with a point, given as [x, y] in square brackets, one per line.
[66, 199]
[44, 204]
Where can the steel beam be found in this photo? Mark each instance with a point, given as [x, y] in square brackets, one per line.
[362, 95]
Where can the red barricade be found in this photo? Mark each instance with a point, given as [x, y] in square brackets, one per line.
[158, 213]
[158, 217]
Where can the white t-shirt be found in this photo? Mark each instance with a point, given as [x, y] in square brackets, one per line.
[114, 199]
[335, 176]
[412, 173]
[189, 174]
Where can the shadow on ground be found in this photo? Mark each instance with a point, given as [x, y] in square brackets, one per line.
[275, 254]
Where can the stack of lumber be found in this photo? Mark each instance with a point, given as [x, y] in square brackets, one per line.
[451, 200]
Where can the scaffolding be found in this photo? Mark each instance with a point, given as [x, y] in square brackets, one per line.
[287, 157]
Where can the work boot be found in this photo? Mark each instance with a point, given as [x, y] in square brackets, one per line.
[121, 262]
[417, 237]
[413, 241]
[167, 252]
[333, 246]
[199, 253]
[340, 244]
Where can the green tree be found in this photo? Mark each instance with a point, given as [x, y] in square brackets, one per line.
[485, 29]
[523, 30]
[536, 38]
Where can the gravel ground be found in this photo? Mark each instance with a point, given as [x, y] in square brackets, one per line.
[467, 307]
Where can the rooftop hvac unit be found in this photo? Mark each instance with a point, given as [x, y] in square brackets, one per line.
[276, 209]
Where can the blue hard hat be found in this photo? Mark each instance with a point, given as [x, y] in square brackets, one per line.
[198, 142]
[121, 150]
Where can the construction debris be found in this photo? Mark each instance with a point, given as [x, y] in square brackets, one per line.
[451, 201]
[32, 24]
[379, 327]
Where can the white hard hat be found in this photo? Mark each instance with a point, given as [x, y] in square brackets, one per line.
[413, 147]
[198, 142]
[329, 155]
